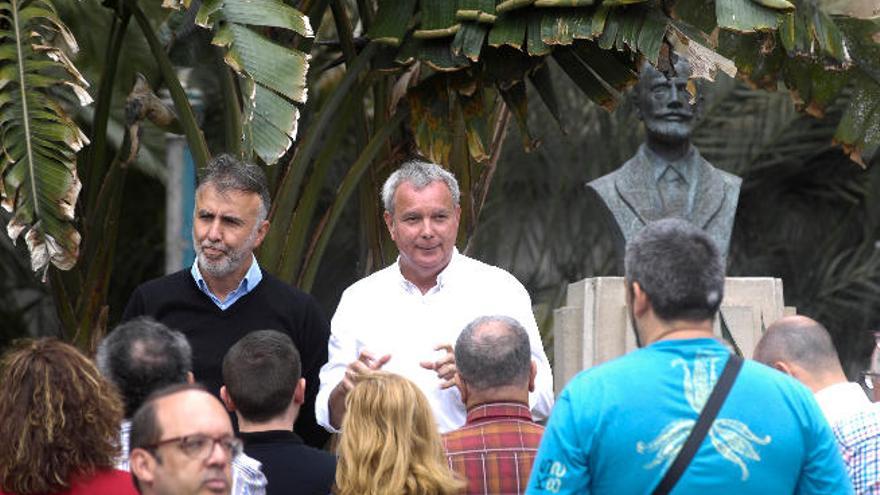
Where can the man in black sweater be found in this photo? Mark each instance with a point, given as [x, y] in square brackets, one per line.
[225, 294]
[262, 384]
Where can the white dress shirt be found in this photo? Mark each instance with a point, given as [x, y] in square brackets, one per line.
[841, 400]
[386, 314]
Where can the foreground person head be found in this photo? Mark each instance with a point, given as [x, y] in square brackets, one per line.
[390, 443]
[59, 419]
[182, 443]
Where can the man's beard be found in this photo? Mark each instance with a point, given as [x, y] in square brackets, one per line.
[231, 259]
[670, 132]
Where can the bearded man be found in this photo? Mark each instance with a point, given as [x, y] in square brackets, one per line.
[225, 294]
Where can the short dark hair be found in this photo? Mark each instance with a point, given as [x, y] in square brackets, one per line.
[141, 356]
[679, 268]
[145, 428]
[799, 340]
[260, 373]
[488, 359]
[226, 172]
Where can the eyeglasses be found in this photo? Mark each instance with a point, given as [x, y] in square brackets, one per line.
[868, 377]
[200, 446]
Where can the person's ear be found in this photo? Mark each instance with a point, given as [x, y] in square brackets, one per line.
[533, 372]
[389, 223]
[640, 302]
[142, 465]
[783, 367]
[261, 233]
[227, 400]
[462, 387]
[299, 393]
[190, 378]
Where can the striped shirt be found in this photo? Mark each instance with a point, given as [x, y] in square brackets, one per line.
[495, 449]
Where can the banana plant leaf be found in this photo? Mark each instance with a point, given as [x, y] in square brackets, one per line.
[39, 140]
[392, 21]
[438, 19]
[272, 76]
[745, 16]
[430, 118]
[860, 125]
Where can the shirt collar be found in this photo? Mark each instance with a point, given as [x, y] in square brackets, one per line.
[250, 280]
[498, 410]
[841, 400]
[270, 436]
[443, 278]
[683, 166]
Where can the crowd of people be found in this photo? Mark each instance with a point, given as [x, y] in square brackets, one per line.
[432, 373]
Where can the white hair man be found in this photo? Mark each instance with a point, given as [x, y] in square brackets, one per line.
[404, 318]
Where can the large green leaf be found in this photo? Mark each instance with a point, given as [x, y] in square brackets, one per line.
[39, 140]
[273, 76]
[860, 125]
[745, 16]
[392, 21]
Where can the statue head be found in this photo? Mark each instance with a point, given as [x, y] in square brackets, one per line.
[664, 104]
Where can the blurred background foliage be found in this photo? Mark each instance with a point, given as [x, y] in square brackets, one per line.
[807, 212]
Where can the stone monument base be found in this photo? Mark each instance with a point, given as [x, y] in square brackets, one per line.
[593, 326]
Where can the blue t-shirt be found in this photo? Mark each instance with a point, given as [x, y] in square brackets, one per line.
[616, 428]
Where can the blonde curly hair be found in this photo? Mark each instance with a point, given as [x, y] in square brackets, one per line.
[59, 418]
[389, 442]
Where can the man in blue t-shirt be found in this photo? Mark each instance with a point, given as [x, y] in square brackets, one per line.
[616, 428]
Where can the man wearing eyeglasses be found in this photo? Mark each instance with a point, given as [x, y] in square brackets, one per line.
[182, 443]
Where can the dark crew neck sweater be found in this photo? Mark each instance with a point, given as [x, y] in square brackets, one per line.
[176, 301]
[289, 465]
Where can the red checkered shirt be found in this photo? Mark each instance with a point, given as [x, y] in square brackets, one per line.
[495, 448]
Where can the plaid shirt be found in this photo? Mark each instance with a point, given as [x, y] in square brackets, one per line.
[495, 448]
[859, 439]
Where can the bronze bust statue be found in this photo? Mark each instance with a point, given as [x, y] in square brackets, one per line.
[667, 177]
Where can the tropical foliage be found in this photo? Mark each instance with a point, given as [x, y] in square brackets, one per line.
[387, 79]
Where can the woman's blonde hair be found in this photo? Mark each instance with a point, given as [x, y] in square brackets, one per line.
[389, 442]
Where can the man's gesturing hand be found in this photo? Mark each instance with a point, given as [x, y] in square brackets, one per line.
[366, 363]
[445, 366]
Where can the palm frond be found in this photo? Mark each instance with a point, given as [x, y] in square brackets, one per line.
[39, 139]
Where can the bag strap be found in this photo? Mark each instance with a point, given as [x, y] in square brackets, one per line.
[704, 422]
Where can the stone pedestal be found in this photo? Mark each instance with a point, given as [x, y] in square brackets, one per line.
[593, 326]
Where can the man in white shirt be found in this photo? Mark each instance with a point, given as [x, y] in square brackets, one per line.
[404, 318]
[802, 348]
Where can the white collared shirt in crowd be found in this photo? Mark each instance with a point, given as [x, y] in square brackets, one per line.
[386, 314]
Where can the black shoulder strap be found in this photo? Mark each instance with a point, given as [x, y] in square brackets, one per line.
[707, 416]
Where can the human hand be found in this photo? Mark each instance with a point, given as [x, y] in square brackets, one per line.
[365, 364]
[445, 366]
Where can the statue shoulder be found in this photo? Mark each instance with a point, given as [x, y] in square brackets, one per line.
[605, 185]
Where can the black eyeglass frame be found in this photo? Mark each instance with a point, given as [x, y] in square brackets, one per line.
[867, 378]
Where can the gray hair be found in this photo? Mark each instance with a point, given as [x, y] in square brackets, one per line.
[420, 174]
[799, 340]
[226, 173]
[679, 268]
[490, 359]
[141, 356]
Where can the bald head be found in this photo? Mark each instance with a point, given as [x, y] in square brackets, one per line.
[801, 347]
[492, 352]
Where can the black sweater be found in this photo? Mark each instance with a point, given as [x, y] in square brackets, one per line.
[176, 301]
